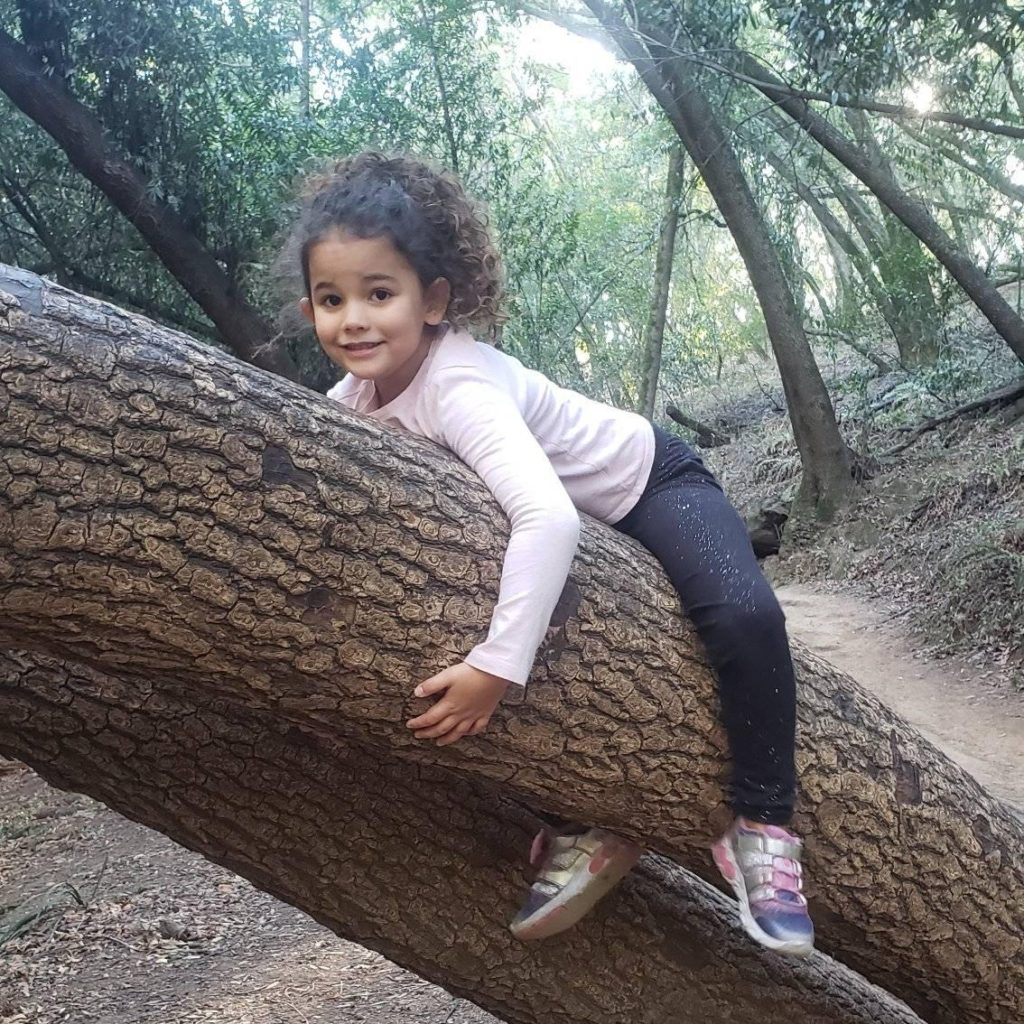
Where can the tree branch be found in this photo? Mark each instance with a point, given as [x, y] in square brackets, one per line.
[590, 28]
[77, 131]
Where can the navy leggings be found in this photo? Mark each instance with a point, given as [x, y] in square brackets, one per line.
[685, 520]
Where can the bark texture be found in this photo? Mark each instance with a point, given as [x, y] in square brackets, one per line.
[251, 580]
[424, 866]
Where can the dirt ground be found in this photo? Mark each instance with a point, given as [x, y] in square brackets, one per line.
[131, 929]
[969, 713]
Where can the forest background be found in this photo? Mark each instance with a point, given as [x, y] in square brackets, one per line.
[790, 231]
[679, 228]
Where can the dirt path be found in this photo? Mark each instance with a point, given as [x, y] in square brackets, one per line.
[165, 937]
[978, 724]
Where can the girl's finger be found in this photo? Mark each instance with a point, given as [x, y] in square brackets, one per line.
[438, 730]
[435, 684]
[437, 713]
[455, 735]
[478, 726]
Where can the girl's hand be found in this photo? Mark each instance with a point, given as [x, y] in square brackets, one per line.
[470, 697]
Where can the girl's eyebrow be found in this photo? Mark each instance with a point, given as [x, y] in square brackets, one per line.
[367, 279]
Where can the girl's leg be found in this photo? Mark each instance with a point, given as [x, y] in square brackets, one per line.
[686, 521]
[689, 526]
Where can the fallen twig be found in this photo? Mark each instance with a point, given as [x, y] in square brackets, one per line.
[994, 399]
[707, 437]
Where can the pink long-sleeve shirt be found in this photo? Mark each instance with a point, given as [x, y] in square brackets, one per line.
[543, 452]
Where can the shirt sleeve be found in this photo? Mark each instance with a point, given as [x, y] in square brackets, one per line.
[483, 426]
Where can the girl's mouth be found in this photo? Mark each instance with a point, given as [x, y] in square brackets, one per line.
[362, 348]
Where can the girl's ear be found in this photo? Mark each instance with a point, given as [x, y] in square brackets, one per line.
[436, 298]
[306, 308]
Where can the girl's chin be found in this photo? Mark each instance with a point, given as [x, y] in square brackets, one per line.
[361, 371]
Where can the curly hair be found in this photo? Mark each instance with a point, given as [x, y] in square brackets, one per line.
[426, 215]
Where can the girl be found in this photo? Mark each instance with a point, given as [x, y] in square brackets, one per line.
[396, 260]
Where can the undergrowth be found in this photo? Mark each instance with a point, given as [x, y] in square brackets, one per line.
[940, 530]
[974, 595]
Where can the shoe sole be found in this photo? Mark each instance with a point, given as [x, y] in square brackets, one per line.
[612, 862]
[726, 864]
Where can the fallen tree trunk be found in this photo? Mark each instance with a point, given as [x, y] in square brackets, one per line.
[425, 866]
[170, 514]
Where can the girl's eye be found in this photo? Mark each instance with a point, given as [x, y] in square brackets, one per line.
[380, 294]
[332, 300]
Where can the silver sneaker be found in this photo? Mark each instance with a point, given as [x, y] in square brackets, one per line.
[574, 872]
[763, 867]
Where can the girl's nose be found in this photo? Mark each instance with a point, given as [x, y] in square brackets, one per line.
[355, 318]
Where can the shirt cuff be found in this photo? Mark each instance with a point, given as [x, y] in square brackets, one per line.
[513, 671]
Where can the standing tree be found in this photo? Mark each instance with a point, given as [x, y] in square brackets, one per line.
[655, 331]
[826, 482]
[910, 211]
[42, 97]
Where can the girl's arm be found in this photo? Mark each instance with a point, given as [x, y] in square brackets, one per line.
[482, 425]
[484, 428]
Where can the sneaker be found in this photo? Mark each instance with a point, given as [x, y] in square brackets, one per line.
[574, 872]
[763, 867]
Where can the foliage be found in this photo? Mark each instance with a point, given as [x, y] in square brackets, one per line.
[991, 567]
[860, 45]
[203, 97]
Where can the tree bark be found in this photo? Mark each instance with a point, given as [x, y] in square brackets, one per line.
[655, 333]
[268, 576]
[909, 210]
[315, 822]
[81, 136]
[826, 483]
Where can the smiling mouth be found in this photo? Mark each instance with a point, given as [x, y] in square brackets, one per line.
[362, 346]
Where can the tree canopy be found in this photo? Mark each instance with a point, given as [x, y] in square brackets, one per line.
[221, 108]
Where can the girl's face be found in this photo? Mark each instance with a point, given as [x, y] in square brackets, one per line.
[370, 312]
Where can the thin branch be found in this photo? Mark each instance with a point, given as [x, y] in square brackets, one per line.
[949, 147]
[583, 26]
[449, 126]
[994, 399]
